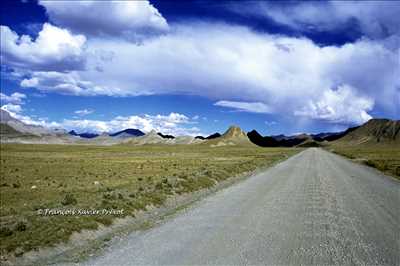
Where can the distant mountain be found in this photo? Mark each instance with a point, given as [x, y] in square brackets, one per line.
[331, 136]
[23, 128]
[259, 140]
[165, 136]
[83, 135]
[16, 131]
[73, 133]
[126, 133]
[212, 136]
[279, 137]
[276, 141]
[8, 132]
[374, 131]
[155, 138]
[88, 135]
[308, 143]
[150, 138]
[5, 117]
[184, 140]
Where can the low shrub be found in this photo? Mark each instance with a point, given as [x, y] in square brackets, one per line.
[69, 199]
[5, 231]
[20, 226]
[109, 196]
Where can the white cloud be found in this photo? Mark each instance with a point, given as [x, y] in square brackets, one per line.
[84, 112]
[127, 19]
[67, 83]
[252, 107]
[174, 123]
[376, 19]
[282, 73]
[30, 83]
[12, 103]
[270, 123]
[15, 98]
[339, 106]
[54, 49]
[30, 120]
[242, 66]
[12, 108]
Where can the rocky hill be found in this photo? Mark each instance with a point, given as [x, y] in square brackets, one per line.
[373, 132]
[233, 136]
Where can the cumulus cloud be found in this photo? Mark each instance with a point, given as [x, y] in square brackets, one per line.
[12, 108]
[68, 83]
[249, 71]
[230, 62]
[270, 123]
[29, 120]
[14, 98]
[128, 19]
[12, 103]
[375, 19]
[54, 49]
[84, 112]
[339, 106]
[252, 107]
[174, 123]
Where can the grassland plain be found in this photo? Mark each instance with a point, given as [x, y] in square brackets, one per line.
[38, 177]
[385, 158]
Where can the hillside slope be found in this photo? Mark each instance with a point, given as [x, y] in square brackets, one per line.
[18, 126]
[374, 131]
[16, 131]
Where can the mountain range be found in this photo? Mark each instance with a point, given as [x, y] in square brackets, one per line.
[375, 131]
[126, 133]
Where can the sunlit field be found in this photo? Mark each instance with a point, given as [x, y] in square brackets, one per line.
[39, 177]
[385, 158]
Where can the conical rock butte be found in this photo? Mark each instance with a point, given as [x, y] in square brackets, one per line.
[233, 132]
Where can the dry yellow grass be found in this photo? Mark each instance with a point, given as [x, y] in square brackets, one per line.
[36, 177]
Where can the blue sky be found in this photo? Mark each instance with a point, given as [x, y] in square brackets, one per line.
[184, 67]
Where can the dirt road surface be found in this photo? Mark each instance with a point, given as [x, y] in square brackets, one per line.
[316, 208]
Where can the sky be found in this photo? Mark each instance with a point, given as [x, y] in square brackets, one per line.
[197, 67]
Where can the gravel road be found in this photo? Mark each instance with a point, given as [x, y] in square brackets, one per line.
[315, 208]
